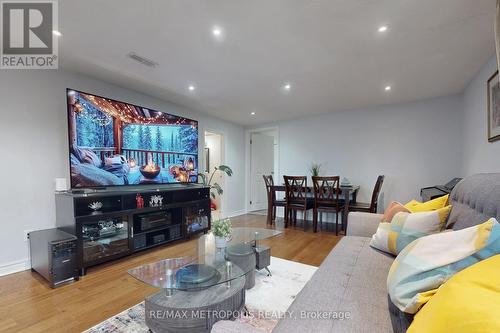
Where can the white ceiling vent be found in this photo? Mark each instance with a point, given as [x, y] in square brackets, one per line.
[142, 60]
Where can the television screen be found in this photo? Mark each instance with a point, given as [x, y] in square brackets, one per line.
[114, 143]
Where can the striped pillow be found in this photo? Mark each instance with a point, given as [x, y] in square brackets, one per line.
[406, 227]
[430, 261]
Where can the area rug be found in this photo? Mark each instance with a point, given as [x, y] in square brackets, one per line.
[271, 296]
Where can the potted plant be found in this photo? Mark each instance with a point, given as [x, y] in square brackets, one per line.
[314, 169]
[215, 188]
[222, 231]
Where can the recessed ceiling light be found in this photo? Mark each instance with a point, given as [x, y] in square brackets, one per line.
[287, 86]
[191, 88]
[56, 33]
[382, 28]
[388, 88]
[218, 32]
[252, 113]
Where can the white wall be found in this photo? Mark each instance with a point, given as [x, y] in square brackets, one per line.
[34, 150]
[213, 143]
[413, 144]
[479, 155]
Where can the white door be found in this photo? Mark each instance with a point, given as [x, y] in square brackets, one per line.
[261, 163]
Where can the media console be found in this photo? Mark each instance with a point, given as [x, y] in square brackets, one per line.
[110, 224]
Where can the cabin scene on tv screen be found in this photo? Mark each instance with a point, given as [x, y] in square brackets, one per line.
[114, 143]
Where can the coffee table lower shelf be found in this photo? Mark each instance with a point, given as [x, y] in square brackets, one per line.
[194, 311]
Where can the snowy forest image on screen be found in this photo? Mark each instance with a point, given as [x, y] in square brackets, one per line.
[115, 143]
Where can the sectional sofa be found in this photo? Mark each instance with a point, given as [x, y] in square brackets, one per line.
[352, 279]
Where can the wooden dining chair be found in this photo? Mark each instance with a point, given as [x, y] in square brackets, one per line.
[297, 198]
[326, 199]
[372, 206]
[272, 202]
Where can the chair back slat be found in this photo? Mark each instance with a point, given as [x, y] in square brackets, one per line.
[296, 189]
[376, 193]
[326, 190]
[269, 181]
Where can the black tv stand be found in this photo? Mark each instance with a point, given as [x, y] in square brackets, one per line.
[117, 227]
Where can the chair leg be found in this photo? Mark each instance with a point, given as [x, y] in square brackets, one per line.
[286, 217]
[305, 219]
[269, 217]
[336, 223]
[315, 220]
[274, 214]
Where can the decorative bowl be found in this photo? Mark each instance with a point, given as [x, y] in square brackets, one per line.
[150, 172]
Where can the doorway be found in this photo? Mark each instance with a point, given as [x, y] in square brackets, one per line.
[214, 156]
[263, 161]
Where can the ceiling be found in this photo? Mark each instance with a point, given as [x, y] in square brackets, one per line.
[329, 51]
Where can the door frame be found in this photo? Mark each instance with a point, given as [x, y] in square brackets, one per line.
[223, 200]
[248, 161]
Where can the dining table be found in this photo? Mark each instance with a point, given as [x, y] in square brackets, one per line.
[347, 191]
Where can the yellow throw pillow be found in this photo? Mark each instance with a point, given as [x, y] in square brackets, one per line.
[468, 303]
[435, 204]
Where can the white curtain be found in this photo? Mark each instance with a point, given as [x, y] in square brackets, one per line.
[497, 32]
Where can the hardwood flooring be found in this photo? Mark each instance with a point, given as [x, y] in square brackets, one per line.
[27, 304]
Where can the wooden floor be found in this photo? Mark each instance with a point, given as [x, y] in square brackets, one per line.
[27, 304]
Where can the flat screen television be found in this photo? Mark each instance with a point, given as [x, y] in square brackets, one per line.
[113, 143]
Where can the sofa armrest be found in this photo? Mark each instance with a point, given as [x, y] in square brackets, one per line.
[362, 224]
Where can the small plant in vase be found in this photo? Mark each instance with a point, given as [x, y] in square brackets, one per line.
[315, 169]
[222, 232]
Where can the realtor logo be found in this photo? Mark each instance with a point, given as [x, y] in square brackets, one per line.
[27, 38]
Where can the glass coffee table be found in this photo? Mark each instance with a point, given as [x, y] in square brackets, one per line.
[199, 290]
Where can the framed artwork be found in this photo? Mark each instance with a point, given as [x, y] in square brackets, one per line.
[494, 108]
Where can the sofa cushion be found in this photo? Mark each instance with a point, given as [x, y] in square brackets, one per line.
[468, 303]
[430, 261]
[415, 206]
[394, 208]
[475, 199]
[406, 227]
[352, 281]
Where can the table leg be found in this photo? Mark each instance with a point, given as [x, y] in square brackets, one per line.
[347, 199]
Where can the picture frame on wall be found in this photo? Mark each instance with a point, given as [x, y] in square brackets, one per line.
[493, 107]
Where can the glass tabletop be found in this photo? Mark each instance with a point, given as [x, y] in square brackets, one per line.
[210, 266]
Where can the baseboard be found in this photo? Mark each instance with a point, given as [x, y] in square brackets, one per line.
[236, 213]
[14, 267]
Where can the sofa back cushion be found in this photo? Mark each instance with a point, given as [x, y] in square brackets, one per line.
[475, 199]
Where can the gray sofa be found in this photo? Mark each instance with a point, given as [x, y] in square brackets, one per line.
[353, 276]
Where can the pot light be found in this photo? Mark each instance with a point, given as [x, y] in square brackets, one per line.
[216, 32]
[191, 88]
[387, 88]
[56, 33]
[287, 86]
[252, 113]
[382, 28]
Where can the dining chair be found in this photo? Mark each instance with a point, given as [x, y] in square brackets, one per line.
[326, 199]
[372, 206]
[297, 198]
[272, 202]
